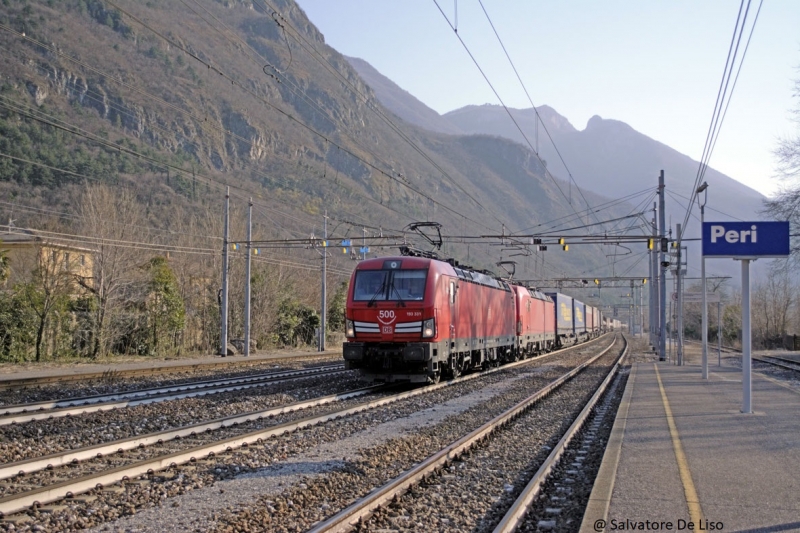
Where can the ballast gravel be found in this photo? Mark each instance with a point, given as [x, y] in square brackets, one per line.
[244, 491]
[286, 477]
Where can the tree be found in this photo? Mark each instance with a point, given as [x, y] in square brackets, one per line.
[5, 267]
[336, 308]
[788, 150]
[786, 204]
[165, 310]
[772, 303]
[295, 323]
[731, 324]
[17, 327]
[47, 293]
[113, 217]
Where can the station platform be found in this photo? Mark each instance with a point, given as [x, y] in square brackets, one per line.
[682, 451]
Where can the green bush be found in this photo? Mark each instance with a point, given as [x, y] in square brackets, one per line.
[17, 327]
[296, 323]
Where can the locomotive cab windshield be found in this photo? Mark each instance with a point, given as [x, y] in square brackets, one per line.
[389, 285]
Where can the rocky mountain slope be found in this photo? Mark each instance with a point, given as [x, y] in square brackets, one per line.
[608, 155]
[181, 101]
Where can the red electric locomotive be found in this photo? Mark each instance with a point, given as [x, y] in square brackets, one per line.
[536, 322]
[416, 318]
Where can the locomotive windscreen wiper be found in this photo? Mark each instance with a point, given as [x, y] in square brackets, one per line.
[400, 301]
[377, 293]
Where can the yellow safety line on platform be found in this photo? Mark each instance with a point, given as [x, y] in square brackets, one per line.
[692, 501]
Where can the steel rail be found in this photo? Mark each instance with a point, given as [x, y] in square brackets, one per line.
[363, 508]
[35, 464]
[774, 360]
[516, 513]
[44, 495]
[7, 383]
[157, 398]
[152, 391]
[787, 364]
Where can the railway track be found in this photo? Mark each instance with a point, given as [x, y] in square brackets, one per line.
[780, 362]
[211, 367]
[17, 414]
[772, 360]
[424, 481]
[152, 467]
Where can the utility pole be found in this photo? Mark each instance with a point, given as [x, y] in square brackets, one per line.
[631, 315]
[747, 361]
[680, 300]
[654, 325]
[641, 310]
[662, 281]
[247, 279]
[719, 333]
[704, 359]
[671, 323]
[323, 325]
[223, 334]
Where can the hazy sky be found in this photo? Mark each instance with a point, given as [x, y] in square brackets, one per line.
[655, 65]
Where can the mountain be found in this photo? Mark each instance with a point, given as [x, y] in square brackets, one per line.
[608, 155]
[486, 119]
[401, 102]
[179, 104]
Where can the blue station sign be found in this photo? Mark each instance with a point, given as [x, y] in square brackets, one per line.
[745, 239]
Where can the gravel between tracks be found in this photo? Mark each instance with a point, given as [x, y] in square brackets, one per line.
[298, 471]
[342, 450]
[43, 437]
[475, 491]
[114, 383]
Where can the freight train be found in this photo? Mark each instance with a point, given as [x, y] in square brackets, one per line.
[417, 318]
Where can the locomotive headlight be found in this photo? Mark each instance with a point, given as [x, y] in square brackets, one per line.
[428, 328]
[349, 330]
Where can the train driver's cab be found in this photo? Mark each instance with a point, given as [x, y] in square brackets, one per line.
[389, 285]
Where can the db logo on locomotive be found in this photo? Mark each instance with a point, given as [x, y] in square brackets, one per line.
[386, 318]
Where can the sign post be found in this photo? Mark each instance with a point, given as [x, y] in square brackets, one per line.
[745, 242]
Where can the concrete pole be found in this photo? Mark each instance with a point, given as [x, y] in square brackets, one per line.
[719, 334]
[747, 362]
[223, 334]
[671, 323]
[247, 279]
[680, 301]
[654, 325]
[704, 303]
[650, 298]
[631, 315]
[662, 281]
[641, 309]
[324, 306]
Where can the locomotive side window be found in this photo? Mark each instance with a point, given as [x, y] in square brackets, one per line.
[370, 285]
[452, 292]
